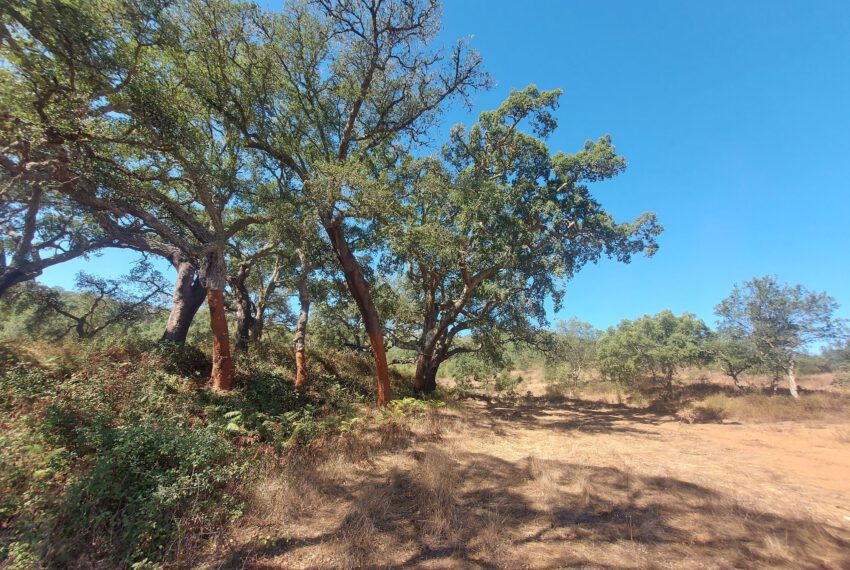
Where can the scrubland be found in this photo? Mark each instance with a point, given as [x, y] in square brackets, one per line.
[127, 461]
[530, 480]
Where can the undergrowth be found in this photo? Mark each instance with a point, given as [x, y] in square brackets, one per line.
[121, 458]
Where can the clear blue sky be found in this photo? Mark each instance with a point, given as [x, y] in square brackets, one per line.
[734, 117]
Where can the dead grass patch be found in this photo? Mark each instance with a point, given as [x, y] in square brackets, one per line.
[762, 408]
[357, 540]
[493, 540]
[450, 494]
[702, 413]
[282, 494]
[436, 493]
[843, 435]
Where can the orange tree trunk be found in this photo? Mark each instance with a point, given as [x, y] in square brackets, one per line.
[381, 367]
[300, 367]
[359, 289]
[223, 369]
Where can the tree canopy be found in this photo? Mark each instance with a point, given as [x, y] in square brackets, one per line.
[779, 321]
[273, 155]
[653, 346]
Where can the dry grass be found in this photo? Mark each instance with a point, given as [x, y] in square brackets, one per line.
[357, 539]
[531, 483]
[760, 408]
[491, 542]
[418, 496]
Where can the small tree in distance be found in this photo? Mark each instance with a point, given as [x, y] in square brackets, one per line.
[653, 346]
[735, 355]
[573, 351]
[779, 320]
[97, 305]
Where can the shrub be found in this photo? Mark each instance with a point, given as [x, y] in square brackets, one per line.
[506, 382]
[119, 457]
[471, 370]
[652, 347]
[842, 376]
[113, 463]
[154, 475]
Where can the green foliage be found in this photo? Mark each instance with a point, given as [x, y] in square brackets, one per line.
[837, 355]
[490, 372]
[488, 233]
[411, 406]
[114, 464]
[779, 320]
[571, 353]
[100, 308]
[838, 359]
[812, 364]
[394, 417]
[120, 455]
[734, 355]
[654, 347]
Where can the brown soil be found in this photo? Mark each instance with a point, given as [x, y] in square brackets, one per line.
[574, 484]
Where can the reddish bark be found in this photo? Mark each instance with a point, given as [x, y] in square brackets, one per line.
[300, 368]
[300, 340]
[382, 369]
[359, 289]
[223, 369]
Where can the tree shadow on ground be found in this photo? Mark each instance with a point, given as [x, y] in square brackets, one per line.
[480, 511]
[566, 414]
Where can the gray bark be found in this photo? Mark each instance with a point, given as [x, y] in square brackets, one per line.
[792, 381]
[188, 296]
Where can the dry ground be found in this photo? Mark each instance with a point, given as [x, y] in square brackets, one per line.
[530, 483]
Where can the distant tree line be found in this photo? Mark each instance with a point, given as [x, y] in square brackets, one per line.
[763, 327]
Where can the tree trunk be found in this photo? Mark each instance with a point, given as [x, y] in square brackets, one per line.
[668, 382]
[244, 320]
[359, 289]
[792, 381]
[214, 277]
[299, 343]
[257, 326]
[736, 380]
[223, 369]
[774, 383]
[11, 277]
[425, 377]
[189, 295]
[244, 310]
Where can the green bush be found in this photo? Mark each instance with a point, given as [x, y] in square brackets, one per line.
[471, 370]
[152, 475]
[116, 453]
[109, 463]
[506, 382]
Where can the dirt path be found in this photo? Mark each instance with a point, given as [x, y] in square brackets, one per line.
[570, 485]
[817, 456]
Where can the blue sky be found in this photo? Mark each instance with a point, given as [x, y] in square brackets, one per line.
[735, 120]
